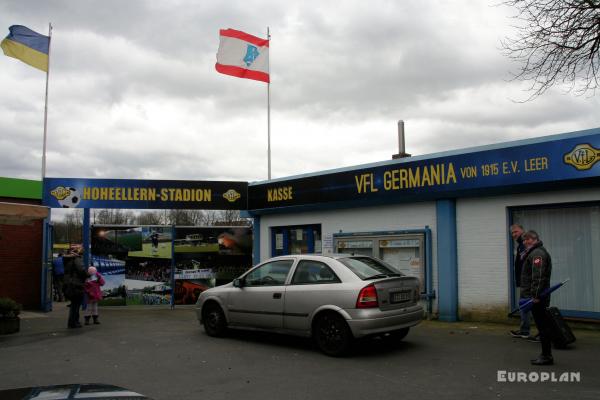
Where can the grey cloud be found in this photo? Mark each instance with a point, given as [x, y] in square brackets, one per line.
[134, 93]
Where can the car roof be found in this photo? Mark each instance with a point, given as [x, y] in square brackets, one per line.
[334, 256]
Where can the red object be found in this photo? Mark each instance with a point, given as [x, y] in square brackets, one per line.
[239, 72]
[367, 298]
[244, 36]
[93, 290]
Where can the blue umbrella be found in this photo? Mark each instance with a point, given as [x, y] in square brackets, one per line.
[525, 305]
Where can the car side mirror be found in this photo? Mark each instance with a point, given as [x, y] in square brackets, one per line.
[238, 283]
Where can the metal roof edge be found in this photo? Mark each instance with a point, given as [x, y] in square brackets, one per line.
[468, 150]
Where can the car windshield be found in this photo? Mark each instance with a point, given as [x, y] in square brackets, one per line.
[368, 268]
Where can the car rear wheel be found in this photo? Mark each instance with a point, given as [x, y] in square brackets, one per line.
[332, 335]
[214, 321]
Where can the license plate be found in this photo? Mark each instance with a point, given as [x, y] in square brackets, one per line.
[400, 297]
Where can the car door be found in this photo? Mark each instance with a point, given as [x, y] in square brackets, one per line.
[314, 284]
[260, 299]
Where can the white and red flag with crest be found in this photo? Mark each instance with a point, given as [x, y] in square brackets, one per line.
[243, 55]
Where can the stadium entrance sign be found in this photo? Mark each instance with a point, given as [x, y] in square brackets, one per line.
[144, 194]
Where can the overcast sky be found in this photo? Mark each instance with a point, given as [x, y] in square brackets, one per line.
[134, 92]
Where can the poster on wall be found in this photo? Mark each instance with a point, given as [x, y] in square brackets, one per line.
[110, 247]
[136, 262]
[148, 274]
[209, 256]
[156, 243]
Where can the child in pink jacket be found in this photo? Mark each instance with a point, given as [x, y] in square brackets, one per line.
[94, 294]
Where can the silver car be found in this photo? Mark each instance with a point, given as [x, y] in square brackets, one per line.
[333, 299]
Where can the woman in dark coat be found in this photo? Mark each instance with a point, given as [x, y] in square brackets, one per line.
[73, 286]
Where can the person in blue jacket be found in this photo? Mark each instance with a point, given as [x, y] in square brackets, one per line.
[58, 276]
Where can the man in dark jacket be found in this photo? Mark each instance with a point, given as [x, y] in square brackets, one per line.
[535, 278]
[73, 286]
[516, 231]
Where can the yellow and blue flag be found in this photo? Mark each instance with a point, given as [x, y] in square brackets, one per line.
[28, 46]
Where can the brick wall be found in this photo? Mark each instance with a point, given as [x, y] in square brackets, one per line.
[20, 263]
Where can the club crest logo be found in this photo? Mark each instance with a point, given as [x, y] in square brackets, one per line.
[68, 197]
[60, 193]
[582, 157]
[251, 55]
[231, 195]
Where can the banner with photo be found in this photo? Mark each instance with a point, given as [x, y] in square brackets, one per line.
[209, 256]
[110, 248]
[136, 263]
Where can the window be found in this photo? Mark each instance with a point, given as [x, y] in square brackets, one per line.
[355, 247]
[296, 239]
[270, 274]
[313, 272]
[405, 254]
[368, 268]
[403, 250]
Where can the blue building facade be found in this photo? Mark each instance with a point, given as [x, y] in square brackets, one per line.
[445, 218]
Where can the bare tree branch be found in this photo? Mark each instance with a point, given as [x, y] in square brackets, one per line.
[556, 43]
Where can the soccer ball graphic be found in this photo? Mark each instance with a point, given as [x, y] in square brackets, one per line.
[72, 200]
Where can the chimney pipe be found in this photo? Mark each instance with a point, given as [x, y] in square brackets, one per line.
[401, 145]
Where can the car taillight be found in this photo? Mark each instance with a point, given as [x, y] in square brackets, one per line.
[367, 298]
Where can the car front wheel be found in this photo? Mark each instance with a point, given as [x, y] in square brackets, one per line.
[332, 334]
[214, 321]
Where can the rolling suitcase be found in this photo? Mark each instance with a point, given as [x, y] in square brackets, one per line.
[560, 332]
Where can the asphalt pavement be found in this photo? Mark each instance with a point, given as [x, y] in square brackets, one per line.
[165, 354]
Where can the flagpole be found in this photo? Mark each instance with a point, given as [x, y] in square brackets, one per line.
[46, 103]
[269, 105]
[46, 265]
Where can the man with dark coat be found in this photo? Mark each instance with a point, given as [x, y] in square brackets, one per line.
[535, 278]
[516, 231]
[73, 286]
